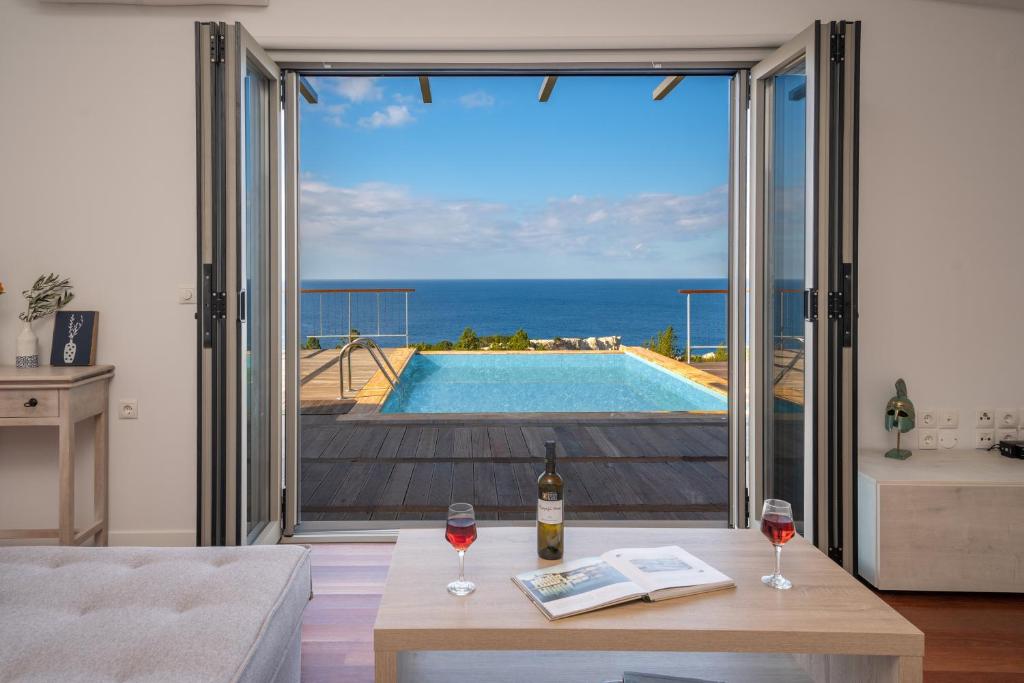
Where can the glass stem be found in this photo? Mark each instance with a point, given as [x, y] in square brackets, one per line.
[778, 560]
[462, 565]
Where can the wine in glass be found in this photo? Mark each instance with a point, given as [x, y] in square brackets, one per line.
[777, 526]
[461, 532]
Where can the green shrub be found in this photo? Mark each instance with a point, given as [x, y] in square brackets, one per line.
[665, 343]
[468, 341]
[312, 343]
[520, 341]
[471, 341]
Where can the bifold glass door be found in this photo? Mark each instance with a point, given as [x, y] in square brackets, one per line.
[240, 229]
[798, 230]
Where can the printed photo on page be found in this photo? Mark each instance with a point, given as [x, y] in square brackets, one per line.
[577, 586]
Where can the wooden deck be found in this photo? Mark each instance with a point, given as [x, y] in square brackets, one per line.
[358, 465]
[655, 467]
[319, 383]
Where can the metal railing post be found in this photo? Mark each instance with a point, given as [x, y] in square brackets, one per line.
[688, 328]
[378, 314]
[348, 330]
[407, 320]
[321, 316]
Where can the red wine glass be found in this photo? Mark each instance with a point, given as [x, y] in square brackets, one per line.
[777, 526]
[461, 532]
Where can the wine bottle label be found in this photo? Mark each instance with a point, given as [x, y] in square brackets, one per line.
[549, 511]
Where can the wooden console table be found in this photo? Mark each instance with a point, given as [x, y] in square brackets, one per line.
[61, 397]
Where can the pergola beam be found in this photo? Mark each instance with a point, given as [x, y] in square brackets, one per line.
[425, 89]
[665, 87]
[307, 90]
[546, 86]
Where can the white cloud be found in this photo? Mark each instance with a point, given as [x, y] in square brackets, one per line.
[477, 98]
[391, 116]
[355, 88]
[334, 114]
[366, 221]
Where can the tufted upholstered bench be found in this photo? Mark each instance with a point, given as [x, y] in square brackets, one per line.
[152, 614]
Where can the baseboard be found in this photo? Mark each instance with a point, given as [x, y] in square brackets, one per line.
[183, 537]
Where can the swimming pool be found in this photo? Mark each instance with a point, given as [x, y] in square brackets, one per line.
[544, 383]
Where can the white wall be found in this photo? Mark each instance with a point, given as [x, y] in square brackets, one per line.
[98, 183]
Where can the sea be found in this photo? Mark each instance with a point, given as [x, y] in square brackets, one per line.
[632, 309]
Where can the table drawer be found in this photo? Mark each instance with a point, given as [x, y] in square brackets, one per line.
[29, 403]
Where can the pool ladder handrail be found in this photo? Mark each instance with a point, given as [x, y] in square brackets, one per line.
[376, 353]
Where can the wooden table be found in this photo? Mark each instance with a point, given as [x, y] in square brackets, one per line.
[61, 397]
[827, 628]
[949, 520]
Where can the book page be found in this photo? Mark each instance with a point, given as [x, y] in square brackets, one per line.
[578, 586]
[662, 568]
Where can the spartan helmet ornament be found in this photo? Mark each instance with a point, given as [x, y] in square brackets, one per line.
[899, 415]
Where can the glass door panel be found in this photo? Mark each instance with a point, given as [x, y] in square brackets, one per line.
[256, 290]
[787, 242]
[784, 203]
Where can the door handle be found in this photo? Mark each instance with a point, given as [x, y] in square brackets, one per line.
[31, 403]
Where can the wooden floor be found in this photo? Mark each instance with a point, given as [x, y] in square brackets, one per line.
[632, 468]
[968, 638]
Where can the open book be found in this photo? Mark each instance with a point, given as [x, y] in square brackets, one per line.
[619, 576]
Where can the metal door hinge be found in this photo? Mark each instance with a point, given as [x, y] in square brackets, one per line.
[811, 305]
[219, 305]
[838, 46]
[840, 304]
[205, 314]
[217, 46]
[284, 505]
[836, 554]
[836, 305]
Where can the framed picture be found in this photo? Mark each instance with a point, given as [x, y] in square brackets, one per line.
[74, 338]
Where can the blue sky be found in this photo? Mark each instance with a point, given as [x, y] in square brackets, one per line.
[600, 181]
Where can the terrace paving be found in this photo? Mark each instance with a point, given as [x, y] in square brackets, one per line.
[363, 466]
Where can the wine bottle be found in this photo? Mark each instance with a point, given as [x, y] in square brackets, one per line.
[550, 508]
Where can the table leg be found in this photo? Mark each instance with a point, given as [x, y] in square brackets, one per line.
[858, 668]
[911, 669]
[66, 466]
[99, 482]
[385, 667]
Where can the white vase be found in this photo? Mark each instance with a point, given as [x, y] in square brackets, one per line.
[27, 348]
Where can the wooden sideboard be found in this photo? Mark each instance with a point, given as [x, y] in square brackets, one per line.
[61, 397]
[941, 521]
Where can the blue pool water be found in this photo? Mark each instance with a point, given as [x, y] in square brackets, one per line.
[543, 383]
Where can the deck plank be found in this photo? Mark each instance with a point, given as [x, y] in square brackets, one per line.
[382, 470]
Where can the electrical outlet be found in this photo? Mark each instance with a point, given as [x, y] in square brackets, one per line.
[1007, 418]
[928, 418]
[983, 418]
[128, 409]
[949, 419]
[1006, 435]
[927, 439]
[983, 438]
[948, 438]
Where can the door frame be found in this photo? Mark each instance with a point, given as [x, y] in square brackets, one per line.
[746, 243]
[687, 62]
